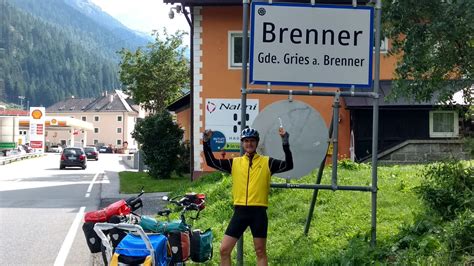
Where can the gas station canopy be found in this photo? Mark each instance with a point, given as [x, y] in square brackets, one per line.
[60, 122]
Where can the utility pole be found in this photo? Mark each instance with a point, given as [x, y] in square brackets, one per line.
[21, 101]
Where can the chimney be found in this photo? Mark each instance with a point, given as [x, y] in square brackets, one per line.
[111, 98]
[105, 93]
[72, 96]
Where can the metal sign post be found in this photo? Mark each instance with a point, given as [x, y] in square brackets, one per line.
[245, 49]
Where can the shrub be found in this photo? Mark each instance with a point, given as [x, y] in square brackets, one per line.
[447, 187]
[460, 235]
[161, 143]
[184, 158]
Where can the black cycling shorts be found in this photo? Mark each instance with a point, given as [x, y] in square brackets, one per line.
[245, 216]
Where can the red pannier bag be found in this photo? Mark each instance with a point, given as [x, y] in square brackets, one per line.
[117, 208]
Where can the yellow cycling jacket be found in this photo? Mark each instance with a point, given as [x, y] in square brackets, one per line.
[251, 182]
[250, 178]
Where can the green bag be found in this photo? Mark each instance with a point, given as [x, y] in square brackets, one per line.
[151, 224]
[201, 245]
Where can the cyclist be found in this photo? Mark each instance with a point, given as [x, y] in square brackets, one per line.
[250, 188]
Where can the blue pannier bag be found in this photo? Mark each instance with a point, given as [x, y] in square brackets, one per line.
[134, 246]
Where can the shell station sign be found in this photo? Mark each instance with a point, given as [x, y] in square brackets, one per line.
[37, 128]
[318, 45]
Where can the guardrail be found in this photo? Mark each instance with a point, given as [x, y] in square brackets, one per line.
[19, 157]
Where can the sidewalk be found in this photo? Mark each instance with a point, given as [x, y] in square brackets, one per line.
[111, 192]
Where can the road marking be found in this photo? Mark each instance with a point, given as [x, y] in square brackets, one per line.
[89, 189]
[71, 234]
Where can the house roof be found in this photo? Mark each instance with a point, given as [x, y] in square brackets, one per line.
[114, 102]
[14, 112]
[385, 90]
[239, 2]
[181, 103]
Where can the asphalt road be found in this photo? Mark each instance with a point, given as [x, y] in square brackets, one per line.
[41, 209]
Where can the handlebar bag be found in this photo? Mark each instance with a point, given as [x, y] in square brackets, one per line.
[180, 244]
[134, 203]
[201, 245]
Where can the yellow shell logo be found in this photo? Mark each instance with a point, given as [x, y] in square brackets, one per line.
[36, 114]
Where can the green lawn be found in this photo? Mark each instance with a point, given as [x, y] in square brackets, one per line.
[340, 228]
[132, 182]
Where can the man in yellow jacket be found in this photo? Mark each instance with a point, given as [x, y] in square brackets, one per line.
[250, 188]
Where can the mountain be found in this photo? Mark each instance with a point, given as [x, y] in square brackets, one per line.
[53, 49]
[91, 27]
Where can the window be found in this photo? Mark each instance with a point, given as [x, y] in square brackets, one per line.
[96, 141]
[96, 118]
[444, 124]
[96, 130]
[119, 118]
[235, 49]
[84, 118]
[119, 130]
[383, 45]
[119, 142]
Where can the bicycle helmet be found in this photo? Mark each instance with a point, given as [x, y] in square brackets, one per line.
[250, 133]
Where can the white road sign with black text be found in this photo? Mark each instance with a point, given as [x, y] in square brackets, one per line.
[300, 44]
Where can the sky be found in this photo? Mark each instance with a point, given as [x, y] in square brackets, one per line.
[143, 15]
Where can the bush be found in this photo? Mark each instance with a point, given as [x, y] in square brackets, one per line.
[448, 188]
[460, 235]
[350, 165]
[161, 143]
[184, 158]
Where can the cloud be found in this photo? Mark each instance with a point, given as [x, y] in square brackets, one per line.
[143, 15]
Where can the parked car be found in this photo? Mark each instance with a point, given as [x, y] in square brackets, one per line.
[27, 148]
[91, 153]
[105, 149]
[73, 157]
[55, 148]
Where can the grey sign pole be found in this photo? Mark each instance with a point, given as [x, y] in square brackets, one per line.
[318, 182]
[243, 105]
[375, 121]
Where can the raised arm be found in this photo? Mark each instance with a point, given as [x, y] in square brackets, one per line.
[224, 165]
[279, 166]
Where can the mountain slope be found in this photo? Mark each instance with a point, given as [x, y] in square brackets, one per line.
[47, 63]
[89, 26]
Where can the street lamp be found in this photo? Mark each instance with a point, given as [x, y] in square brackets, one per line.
[178, 10]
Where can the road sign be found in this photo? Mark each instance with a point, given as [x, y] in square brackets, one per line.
[224, 115]
[301, 44]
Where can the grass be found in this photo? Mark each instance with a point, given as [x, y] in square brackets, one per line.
[340, 227]
[132, 182]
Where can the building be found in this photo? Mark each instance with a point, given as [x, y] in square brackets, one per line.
[216, 38]
[113, 116]
[216, 58]
[409, 131]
